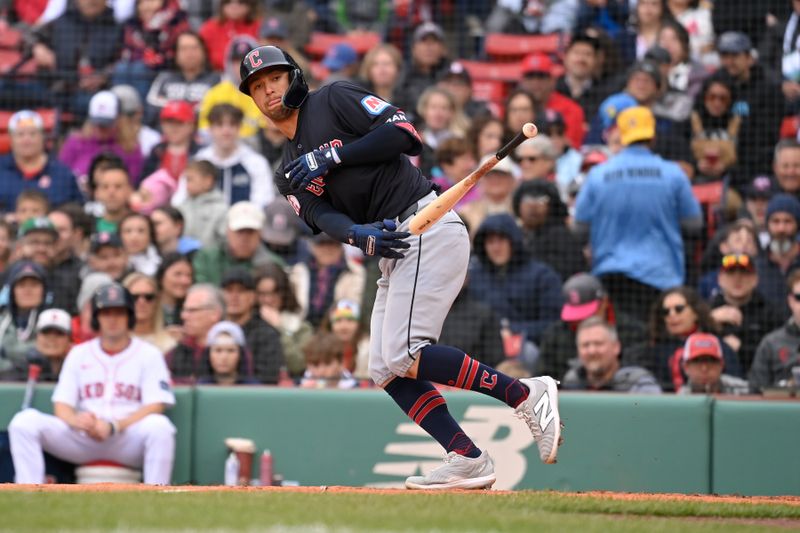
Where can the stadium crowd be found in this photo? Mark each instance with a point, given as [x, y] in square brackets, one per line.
[131, 156]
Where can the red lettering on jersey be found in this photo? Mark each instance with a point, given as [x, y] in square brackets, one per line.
[253, 57]
[487, 382]
[336, 143]
[118, 390]
[99, 388]
[409, 128]
[317, 186]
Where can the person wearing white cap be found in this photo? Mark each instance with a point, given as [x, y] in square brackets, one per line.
[29, 166]
[242, 246]
[227, 359]
[53, 342]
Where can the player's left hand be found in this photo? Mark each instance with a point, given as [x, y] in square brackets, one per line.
[101, 430]
[310, 166]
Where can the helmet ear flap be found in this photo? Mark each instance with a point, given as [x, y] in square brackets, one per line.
[298, 89]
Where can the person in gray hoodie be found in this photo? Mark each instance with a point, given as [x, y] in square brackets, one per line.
[205, 207]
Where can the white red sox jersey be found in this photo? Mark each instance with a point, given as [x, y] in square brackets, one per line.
[113, 386]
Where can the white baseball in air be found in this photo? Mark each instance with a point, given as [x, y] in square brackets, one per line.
[530, 130]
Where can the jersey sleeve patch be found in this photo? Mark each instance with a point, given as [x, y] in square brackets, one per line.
[374, 105]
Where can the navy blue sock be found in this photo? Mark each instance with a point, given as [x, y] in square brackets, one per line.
[451, 366]
[425, 406]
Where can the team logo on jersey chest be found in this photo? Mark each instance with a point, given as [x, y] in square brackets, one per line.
[374, 105]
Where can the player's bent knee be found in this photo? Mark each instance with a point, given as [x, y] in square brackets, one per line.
[158, 424]
[24, 421]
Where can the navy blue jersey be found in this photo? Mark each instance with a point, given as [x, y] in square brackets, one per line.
[336, 115]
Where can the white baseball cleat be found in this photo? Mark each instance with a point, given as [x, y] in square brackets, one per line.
[540, 412]
[457, 472]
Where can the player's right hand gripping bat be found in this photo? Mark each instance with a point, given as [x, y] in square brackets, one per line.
[435, 210]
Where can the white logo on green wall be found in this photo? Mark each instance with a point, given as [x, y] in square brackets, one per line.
[491, 427]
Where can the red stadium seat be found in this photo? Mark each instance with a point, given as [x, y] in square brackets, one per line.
[709, 195]
[318, 71]
[509, 47]
[5, 143]
[10, 38]
[489, 90]
[486, 70]
[10, 59]
[320, 42]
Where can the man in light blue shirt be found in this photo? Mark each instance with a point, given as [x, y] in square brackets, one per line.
[633, 207]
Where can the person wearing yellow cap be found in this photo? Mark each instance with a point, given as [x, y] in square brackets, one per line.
[633, 208]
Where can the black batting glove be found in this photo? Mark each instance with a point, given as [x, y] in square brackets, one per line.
[310, 166]
[379, 238]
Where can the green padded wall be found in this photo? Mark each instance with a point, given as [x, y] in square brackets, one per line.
[612, 442]
[756, 448]
[181, 415]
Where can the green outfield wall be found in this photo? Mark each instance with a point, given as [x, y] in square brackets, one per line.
[614, 442]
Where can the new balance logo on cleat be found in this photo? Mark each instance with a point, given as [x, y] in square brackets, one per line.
[543, 411]
[540, 412]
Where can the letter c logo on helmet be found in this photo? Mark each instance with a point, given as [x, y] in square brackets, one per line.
[265, 57]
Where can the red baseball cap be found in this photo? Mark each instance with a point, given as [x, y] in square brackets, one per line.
[538, 62]
[178, 110]
[583, 294]
[702, 345]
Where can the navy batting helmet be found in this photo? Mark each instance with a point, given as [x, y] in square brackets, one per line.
[111, 296]
[265, 57]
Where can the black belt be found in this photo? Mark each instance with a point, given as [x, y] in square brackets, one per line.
[407, 212]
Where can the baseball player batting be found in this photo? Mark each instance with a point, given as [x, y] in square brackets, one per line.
[346, 173]
[108, 402]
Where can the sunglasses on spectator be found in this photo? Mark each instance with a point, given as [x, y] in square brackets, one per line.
[148, 296]
[680, 308]
[737, 262]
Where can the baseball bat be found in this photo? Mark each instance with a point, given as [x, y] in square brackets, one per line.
[435, 210]
[30, 386]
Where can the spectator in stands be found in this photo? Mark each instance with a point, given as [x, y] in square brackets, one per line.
[324, 368]
[760, 100]
[149, 42]
[783, 252]
[27, 297]
[227, 92]
[356, 17]
[53, 331]
[703, 363]
[344, 321]
[205, 208]
[569, 160]
[545, 236]
[615, 193]
[584, 297]
[328, 276]
[278, 306]
[99, 134]
[743, 315]
[107, 254]
[155, 190]
[757, 195]
[113, 192]
[598, 367]
[276, 33]
[779, 52]
[786, 166]
[455, 160]
[282, 232]
[168, 224]
[29, 166]
[6, 242]
[508, 16]
[696, 19]
[341, 60]
[428, 63]
[735, 238]
[242, 245]
[149, 318]
[263, 340]
[778, 352]
[473, 326]
[539, 75]
[245, 174]
[674, 315]
[536, 158]
[685, 74]
[485, 135]
[30, 203]
[66, 260]
[227, 360]
[172, 154]
[647, 19]
[175, 275]
[579, 80]
[519, 109]
[137, 235]
[83, 225]
[131, 129]
[188, 80]
[202, 309]
[440, 117]
[522, 290]
[76, 68]
[234, 18]
[381, 69]
[82, 324]
[715, 127]
[457, 81]
[496, 190]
